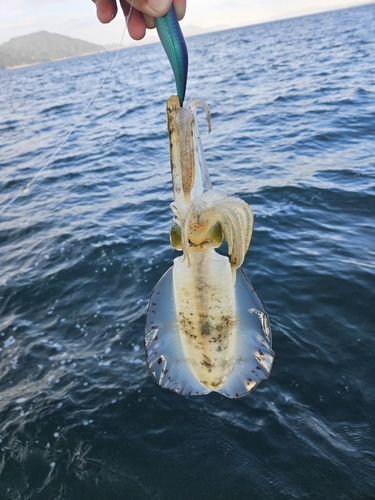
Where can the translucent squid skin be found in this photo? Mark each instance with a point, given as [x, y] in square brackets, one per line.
[206, 315]
[206, 327]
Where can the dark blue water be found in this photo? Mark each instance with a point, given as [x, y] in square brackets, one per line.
[293, 112]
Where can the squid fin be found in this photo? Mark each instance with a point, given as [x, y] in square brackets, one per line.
[253, 356]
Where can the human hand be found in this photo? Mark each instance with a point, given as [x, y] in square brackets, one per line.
[142, 14]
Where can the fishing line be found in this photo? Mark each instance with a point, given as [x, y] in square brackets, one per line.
[26, 189]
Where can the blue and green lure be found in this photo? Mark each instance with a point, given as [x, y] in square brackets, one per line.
[174, 44]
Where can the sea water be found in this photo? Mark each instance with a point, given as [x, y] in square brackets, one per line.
[293, 116]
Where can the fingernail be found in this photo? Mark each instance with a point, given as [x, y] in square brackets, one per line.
[158, 5]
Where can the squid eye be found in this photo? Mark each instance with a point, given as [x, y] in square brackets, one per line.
[175, 235]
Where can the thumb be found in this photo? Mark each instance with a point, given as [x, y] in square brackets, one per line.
[158, 8]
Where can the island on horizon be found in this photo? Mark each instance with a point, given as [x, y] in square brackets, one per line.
[43, 47]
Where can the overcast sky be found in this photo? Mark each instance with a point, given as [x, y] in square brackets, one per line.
[77, 18]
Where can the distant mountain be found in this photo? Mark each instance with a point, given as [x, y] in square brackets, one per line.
[42, 47]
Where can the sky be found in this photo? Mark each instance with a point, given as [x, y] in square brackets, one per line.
[77, 18]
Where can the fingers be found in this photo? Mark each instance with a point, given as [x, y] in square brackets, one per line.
[150, 21]
[136, 22]
[105, 10]
[152, 8]
[142, 15]
[180, 8]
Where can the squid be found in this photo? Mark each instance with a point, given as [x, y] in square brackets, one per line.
[206, 327]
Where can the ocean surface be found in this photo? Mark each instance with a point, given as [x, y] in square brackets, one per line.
[293, 116]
